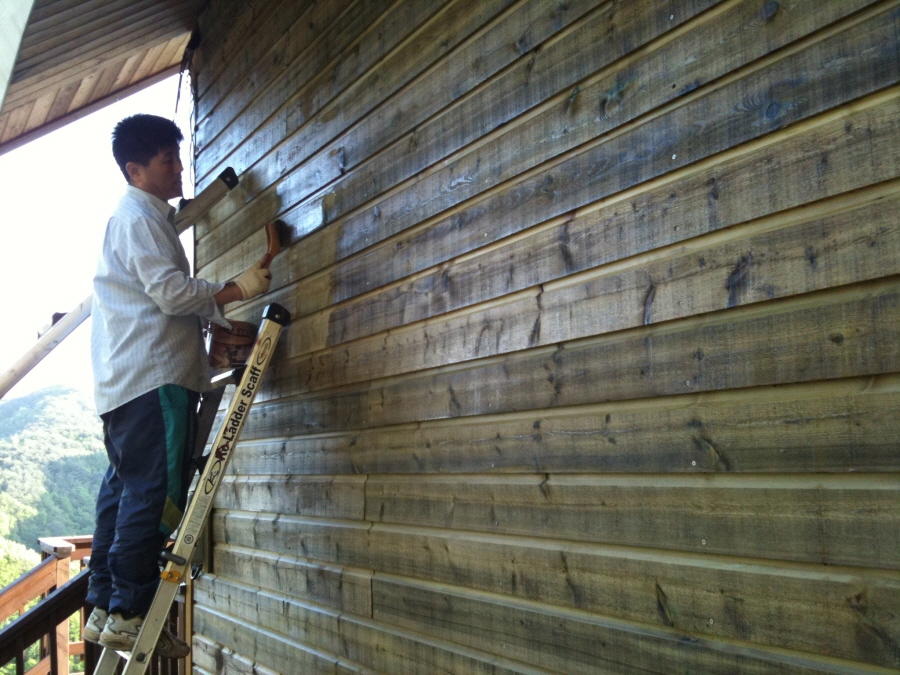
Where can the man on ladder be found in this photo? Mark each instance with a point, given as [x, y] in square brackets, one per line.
[149, 367]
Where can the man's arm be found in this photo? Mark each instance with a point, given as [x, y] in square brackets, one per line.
[231, 293]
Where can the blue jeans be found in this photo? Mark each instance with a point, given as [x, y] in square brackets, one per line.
[149, 441]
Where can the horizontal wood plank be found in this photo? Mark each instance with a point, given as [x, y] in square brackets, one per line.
[853, 520]
[273, 651]
[333, 496]
[572, 642]
[254, 65]
[838, 242]
[493, 216]
[485, 53]
[318, 123]
[781, 171]
[620, 647]
[848, 332]
[841, 425]
[347, 590]
[224, 608]
[211, 657]
[563, 89]
[837, 611]
[634, 154]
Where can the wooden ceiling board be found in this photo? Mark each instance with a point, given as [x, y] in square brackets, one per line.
[76, 23]
[77, 55]
[135, 35]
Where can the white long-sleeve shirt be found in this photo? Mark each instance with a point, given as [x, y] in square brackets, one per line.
[148, 311]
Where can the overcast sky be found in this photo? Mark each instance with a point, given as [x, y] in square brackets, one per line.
[57, 193]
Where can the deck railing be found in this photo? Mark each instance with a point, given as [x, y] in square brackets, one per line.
[47, 621]
[61, 597]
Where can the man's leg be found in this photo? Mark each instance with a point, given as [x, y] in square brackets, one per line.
[151, 437]
[100, 583]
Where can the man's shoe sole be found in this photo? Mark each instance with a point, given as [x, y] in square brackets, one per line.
[116, 643]
[91, 636]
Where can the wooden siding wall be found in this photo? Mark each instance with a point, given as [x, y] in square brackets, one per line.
[594, 364]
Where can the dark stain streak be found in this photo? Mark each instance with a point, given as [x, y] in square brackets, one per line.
[545, 490]
[739, 279]
[769, 10]
[648, 303]
[811, 257]
[612, 100]
[662, 606]
[577, 593]
[455, 407]
[707, 447]
[871, 634]
[570, 102]
[822, 166]
[563, 241]
[535, 335]
[688, 88]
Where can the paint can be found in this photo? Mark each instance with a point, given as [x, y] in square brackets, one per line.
[230, 349]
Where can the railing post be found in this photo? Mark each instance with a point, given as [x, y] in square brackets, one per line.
[59, 642]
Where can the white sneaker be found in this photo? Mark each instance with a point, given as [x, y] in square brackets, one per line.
[120, 634]
[94, 625]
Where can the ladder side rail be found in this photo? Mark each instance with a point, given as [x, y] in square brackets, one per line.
[176, 570]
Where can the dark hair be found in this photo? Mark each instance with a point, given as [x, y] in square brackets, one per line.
[138, 138]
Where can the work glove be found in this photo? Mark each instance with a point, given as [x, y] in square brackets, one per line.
[254, 281]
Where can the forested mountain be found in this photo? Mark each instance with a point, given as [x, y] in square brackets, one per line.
[52, 460]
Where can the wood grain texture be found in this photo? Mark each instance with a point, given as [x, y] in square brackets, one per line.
[527, 197]
[274, 651]
[252, 67]
[427, 41]
[827, 156]
[336, 31]
[347, 590]
[479, 59]
[573, 91]
[841, 425]
[211, 657]
[848, 332]
[334, 496]
[571, 642]
[225, 608]
[835, 520]
[829, 244]
[525, 26]
[750, 600]
[594, 359]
